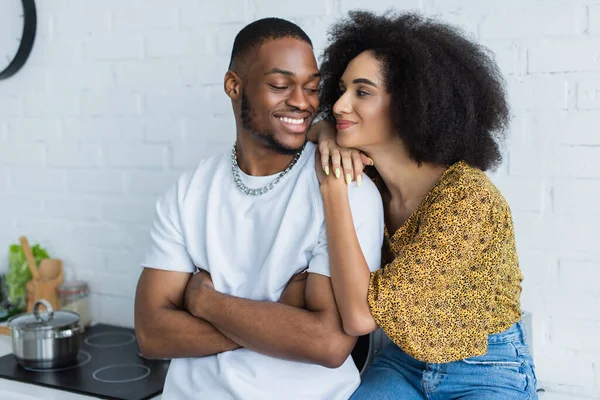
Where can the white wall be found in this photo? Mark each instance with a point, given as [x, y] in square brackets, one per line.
[121, 96]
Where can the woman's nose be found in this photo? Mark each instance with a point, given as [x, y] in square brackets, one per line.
[342, 106]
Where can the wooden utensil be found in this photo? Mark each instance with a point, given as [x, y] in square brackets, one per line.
[4, 330]
[51, 273]
[48, 290]
[50, 268]
[30, 258]
[51, 277]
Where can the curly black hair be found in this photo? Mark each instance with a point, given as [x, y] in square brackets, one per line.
[448, 95]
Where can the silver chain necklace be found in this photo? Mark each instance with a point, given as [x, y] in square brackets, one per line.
[235, 169]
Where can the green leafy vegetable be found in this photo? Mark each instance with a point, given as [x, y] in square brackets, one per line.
[18, 272]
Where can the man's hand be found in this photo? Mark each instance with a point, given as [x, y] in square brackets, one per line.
[294, 292]
[199, 282]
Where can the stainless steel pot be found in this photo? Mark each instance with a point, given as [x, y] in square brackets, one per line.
[46, 340]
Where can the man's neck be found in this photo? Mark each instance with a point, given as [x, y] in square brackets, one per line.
[257, 159]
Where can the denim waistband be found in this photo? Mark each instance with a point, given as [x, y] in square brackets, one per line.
[515, 333]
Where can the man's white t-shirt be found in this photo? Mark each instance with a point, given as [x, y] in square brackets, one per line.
[252, 245]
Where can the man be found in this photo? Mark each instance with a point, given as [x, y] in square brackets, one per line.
[249, 220]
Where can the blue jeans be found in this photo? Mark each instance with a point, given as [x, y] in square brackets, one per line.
[506, 372]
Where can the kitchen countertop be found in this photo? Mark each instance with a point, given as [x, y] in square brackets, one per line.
[13, 390]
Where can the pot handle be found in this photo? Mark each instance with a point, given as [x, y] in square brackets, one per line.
[49, 310]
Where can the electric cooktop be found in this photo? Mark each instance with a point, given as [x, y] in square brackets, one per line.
[109, 366]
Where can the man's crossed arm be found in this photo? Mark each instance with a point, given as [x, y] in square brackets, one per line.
[162, 326]
[217, 322]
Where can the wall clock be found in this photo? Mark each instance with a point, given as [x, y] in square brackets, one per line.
[18, 22]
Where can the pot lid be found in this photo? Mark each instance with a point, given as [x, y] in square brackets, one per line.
[45, 320]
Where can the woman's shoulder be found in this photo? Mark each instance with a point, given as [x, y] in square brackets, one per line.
[466, 187]
[462, 180]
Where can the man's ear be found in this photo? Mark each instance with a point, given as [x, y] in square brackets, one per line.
[233, 85]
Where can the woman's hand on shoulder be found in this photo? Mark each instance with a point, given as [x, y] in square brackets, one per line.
[337, 160]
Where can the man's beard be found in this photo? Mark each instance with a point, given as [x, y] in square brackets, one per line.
[267, 137]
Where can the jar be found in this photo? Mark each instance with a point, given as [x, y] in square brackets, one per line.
[74, 296]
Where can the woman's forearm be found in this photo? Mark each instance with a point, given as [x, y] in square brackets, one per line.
[349, 270]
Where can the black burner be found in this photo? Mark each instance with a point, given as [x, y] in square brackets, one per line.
[109, 339]
[108, 367]
[121, 373]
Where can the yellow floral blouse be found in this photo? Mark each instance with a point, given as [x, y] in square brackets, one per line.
[450, 275]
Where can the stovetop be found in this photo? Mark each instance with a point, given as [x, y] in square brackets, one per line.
[108, 367]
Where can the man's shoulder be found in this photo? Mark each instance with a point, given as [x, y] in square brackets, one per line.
[366, 197]
[211, 165]
[306, 165]
[367, 192]
[198, 176]
[308, 156]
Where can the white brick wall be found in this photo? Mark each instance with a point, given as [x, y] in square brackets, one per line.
[119, 97]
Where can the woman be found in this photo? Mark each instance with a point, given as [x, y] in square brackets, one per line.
[427, 106]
